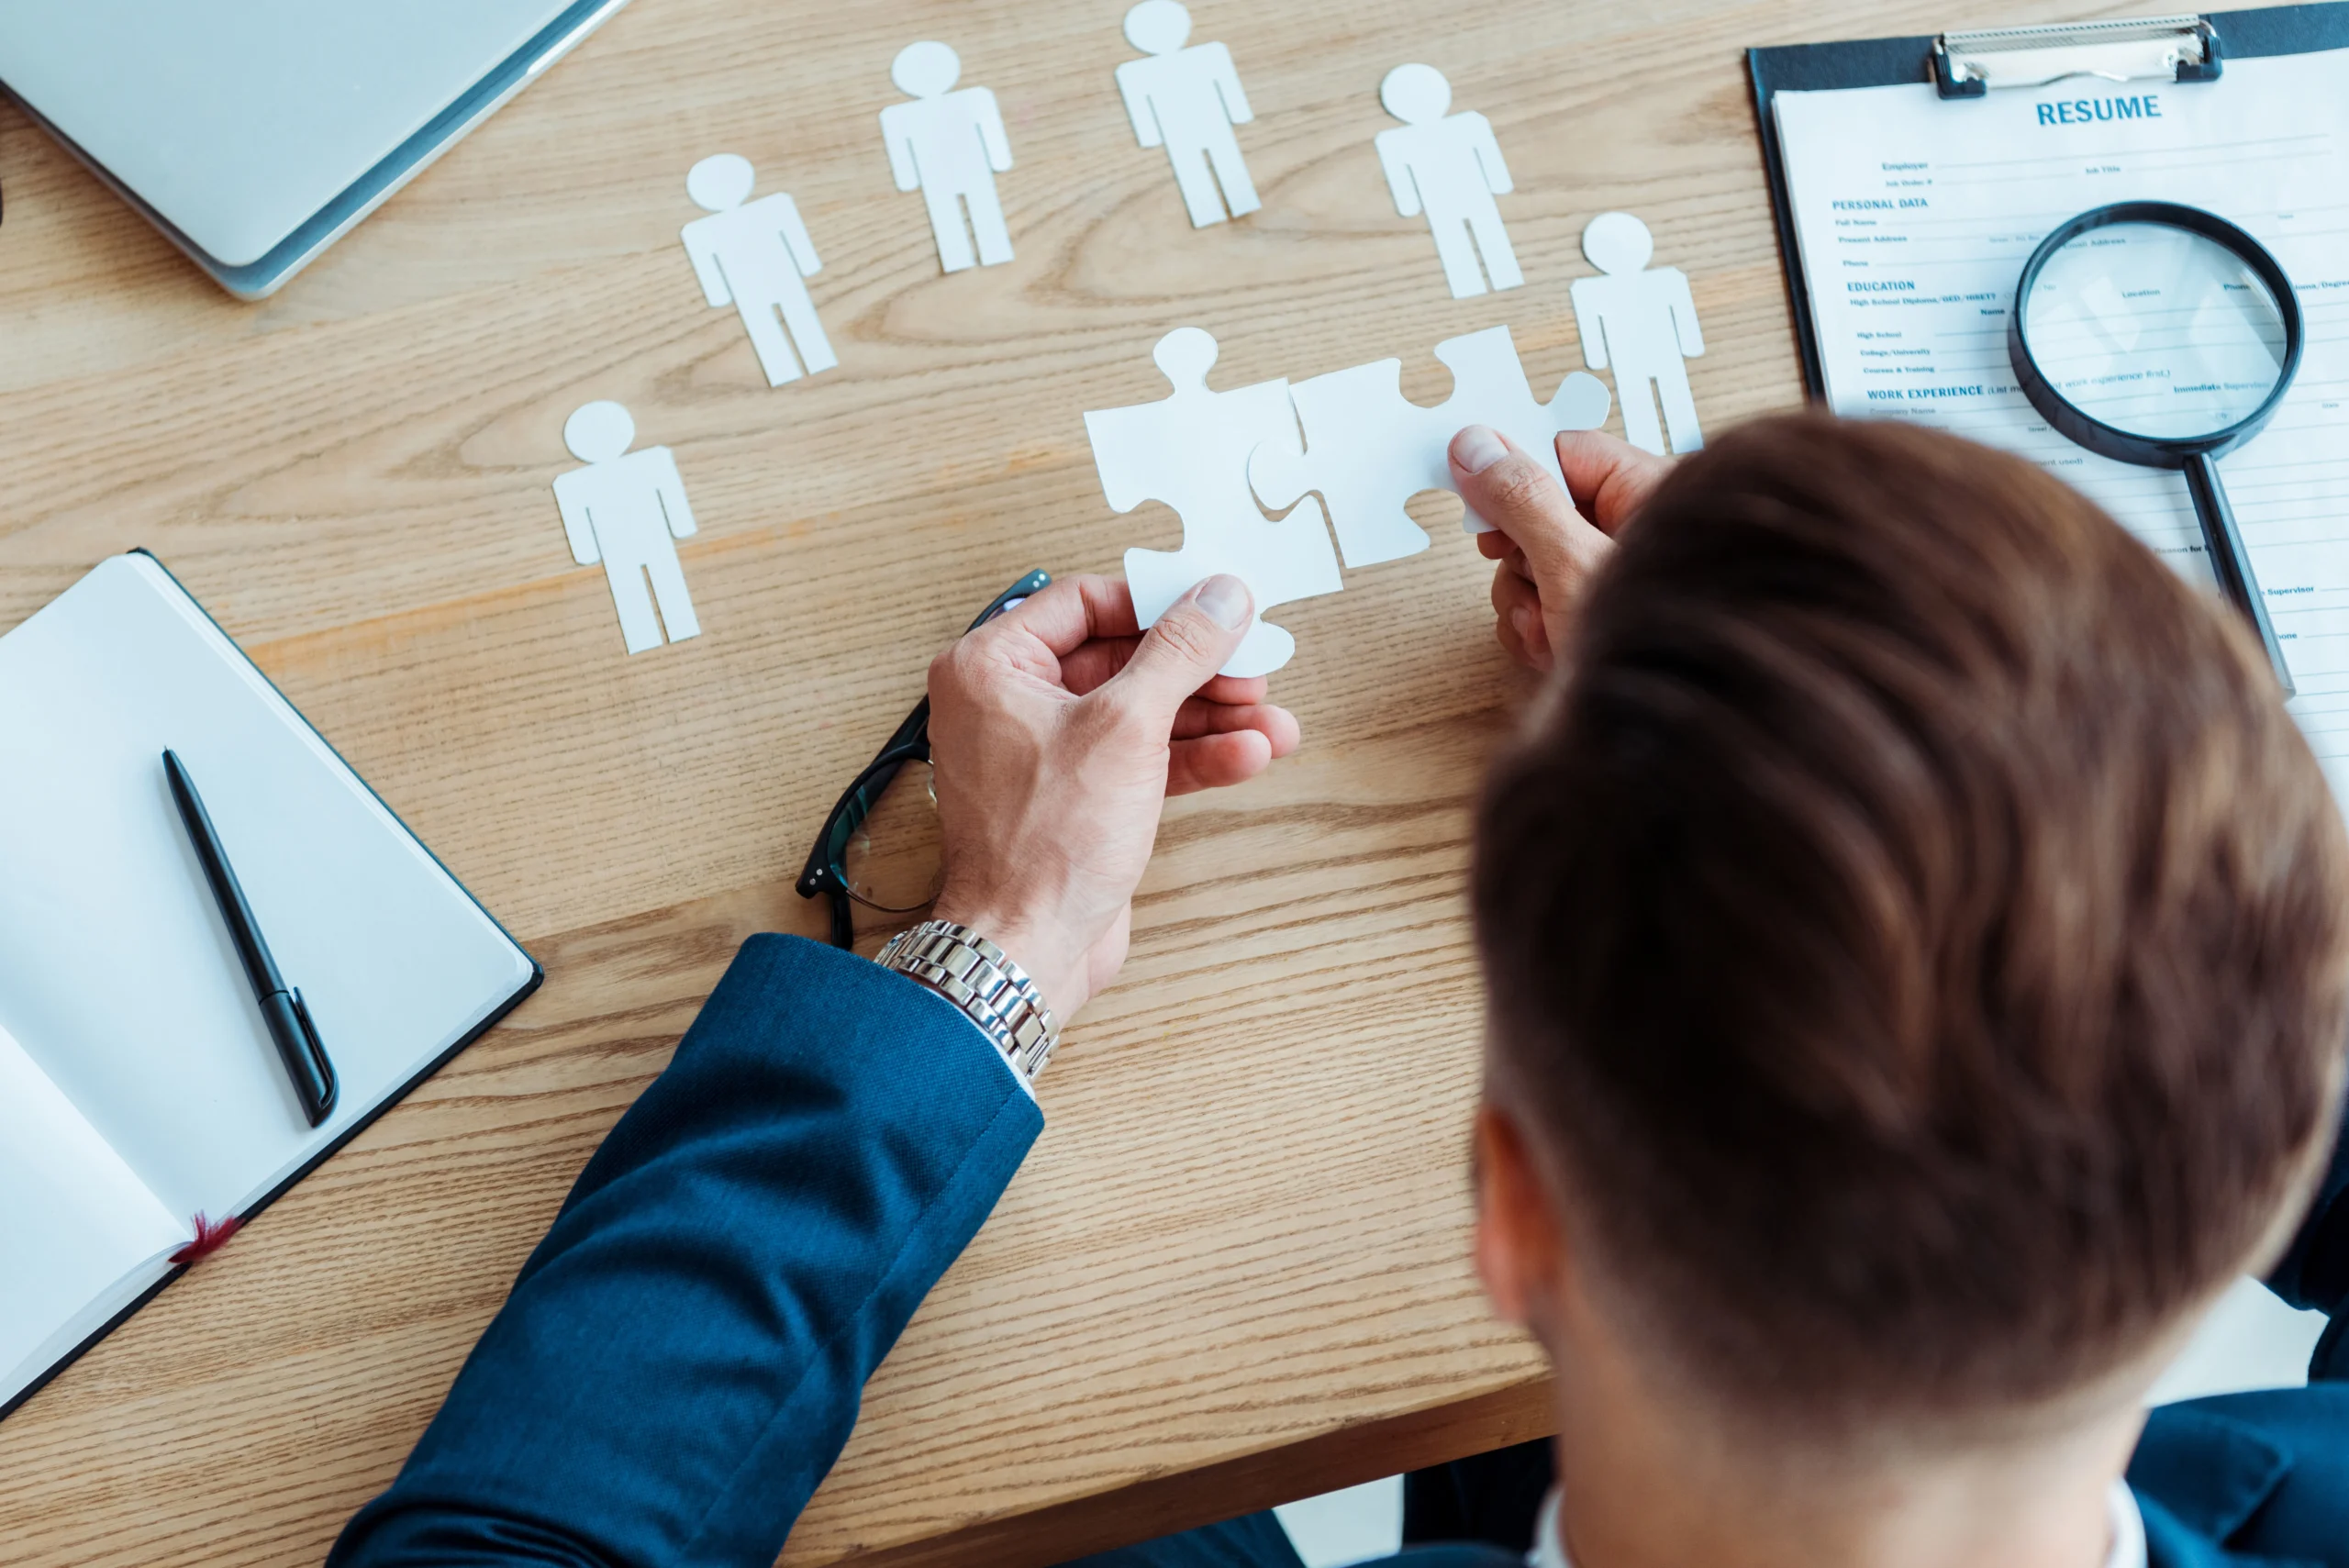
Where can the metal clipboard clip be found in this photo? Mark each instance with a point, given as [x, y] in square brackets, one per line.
[2175, 49]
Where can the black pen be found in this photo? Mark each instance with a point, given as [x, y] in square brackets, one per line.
[280, 1007]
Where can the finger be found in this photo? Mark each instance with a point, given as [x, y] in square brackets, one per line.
[1276, 725]
[1240, 691]
[1517, 494]
[1182, 652]
[1609, 477]
[1512, 592]
[1216, 762]
[1070, 613]
[1517, 611]
[1096, 664]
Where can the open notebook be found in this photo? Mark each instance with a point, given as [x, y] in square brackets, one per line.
[138, 1082]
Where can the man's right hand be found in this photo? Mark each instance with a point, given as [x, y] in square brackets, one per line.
[1547, 549]
[1057, 732]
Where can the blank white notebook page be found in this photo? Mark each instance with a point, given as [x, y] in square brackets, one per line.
[116, 975]
[1914, 217]
[83, 1233]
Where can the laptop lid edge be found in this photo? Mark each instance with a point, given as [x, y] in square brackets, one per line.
[264, 276]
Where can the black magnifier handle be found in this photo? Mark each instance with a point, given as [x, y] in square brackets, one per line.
[2230, 561]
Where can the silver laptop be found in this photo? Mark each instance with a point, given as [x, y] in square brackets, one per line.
[256, 132]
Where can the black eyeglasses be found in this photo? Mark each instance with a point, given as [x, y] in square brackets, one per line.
[866, 852]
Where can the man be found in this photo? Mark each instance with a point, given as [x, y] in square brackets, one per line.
[1450, 167]
[1917, 944]
[628, 510]
[758, 259]
[1187, 100]
[1640, 322]
[949, 146]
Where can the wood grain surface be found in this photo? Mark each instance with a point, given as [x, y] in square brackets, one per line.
[1233, 1272]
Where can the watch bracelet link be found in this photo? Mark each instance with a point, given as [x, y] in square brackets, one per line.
[983, 984]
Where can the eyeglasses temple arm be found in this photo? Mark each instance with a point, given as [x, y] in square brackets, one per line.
[912, 738]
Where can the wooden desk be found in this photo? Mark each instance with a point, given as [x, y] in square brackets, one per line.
[1234, 1271]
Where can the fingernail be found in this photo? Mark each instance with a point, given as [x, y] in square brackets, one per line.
[1477, 447]
[1225, 599]
[1519, 619]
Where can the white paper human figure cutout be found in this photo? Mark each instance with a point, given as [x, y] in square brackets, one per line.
[627, 509]
[1450, 168]
[1190, 451]
[1188, 100]
[757, 258]
[1641, 324]
[949, 146]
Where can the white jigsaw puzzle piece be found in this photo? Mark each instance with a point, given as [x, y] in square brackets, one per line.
[1367, 449]
[1190, 451]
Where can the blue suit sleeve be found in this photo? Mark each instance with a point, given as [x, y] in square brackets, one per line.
[2315, 1273]
[681, 1358]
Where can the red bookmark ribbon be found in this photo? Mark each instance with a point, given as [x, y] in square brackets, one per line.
[210, 1237]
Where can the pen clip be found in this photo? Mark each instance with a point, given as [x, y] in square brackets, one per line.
[318, 1055]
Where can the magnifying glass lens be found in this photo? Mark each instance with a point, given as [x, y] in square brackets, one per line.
[2164, 336]
[2155, 331]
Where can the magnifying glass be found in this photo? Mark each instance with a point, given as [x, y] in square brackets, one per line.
[2164, 336]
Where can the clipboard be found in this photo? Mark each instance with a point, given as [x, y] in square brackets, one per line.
[2185, 49]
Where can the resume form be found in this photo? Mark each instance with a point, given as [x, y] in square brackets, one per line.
[1914, 216]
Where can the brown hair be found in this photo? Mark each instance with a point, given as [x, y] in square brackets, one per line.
[1915, 930]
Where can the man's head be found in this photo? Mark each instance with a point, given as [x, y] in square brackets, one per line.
[1415, 94]
[1918, 940]
[1617, 242]
[721, 182]
[1158, 27]
[926, 70]
[599, 431]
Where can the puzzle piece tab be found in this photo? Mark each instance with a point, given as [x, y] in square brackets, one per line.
[1190, 451]
[1367, 449]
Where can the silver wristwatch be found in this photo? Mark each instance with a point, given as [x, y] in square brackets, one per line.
[991, 991]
